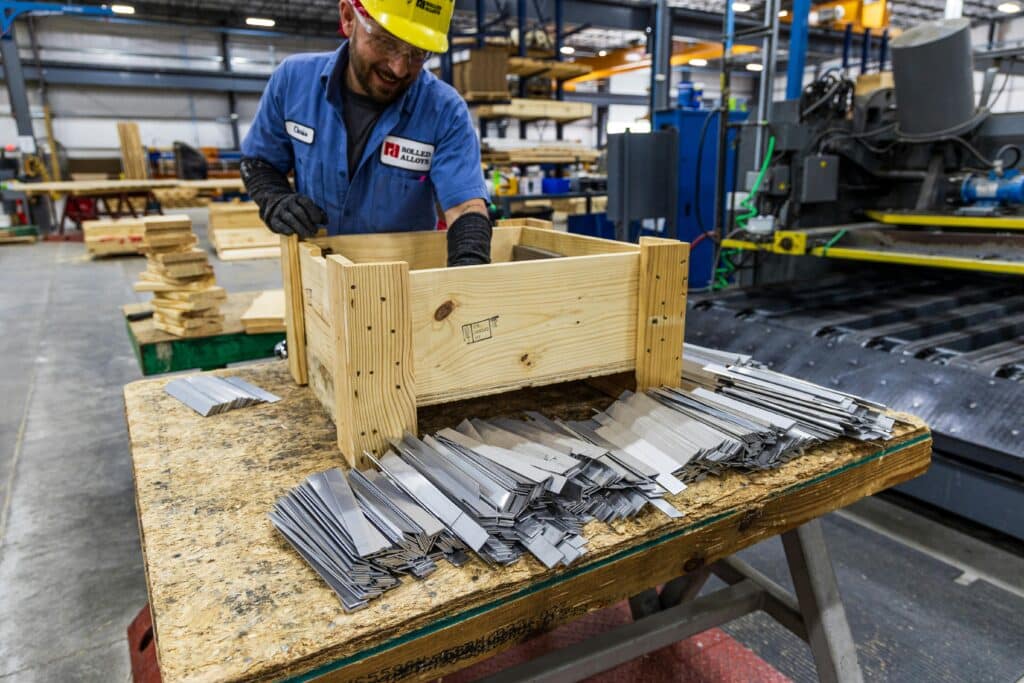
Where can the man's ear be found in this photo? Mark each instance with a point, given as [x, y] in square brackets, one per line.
[348, 17]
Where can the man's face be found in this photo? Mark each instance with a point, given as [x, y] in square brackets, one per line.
[383, 66]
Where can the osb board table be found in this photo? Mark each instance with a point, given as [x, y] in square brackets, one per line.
[232, 601]
[159, 352]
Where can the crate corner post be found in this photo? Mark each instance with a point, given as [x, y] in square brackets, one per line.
[294, 315]
[661, 312]
[374, 379]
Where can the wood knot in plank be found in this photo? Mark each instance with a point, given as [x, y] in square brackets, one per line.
[444, 310]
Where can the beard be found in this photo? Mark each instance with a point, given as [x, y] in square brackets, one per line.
[377, 80]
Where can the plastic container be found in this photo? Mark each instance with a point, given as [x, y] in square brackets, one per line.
[555, 185]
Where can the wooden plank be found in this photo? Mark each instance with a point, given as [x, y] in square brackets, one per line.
[215, 567]
[420, 249]
[533, 109]
[291, 274]
[133, 156]
[661, 312]
[238, 238]
[374, 387]
[249, 254]
[502, 242]
[313, 268]
[569, 244]
[266, 312]
[320, 360]
[486, 329]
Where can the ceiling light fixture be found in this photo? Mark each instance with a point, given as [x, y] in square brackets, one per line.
[740, 7]
[602, 53]
[122, 9]
[1008, 8]
[755, 66]
[567, 50]
[783, 13]
[259, 21]
[697, 61]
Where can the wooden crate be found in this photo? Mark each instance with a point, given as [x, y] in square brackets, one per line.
[378, 326]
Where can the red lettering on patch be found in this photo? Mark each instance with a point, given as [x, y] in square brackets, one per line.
[392, 149]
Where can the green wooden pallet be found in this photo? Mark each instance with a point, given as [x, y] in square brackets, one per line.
[158, 352]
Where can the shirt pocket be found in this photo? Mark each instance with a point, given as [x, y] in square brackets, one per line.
[402, 201]
[313, 179]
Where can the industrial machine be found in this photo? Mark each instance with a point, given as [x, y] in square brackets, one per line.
[883, 255]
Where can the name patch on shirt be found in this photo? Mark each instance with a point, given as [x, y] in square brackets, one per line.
[405, 153]
[300, 132]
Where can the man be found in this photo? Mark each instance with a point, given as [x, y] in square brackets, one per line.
[375, 140]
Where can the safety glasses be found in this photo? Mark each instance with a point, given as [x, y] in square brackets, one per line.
[385, 43]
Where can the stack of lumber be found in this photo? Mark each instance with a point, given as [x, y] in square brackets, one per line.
[534, 110]
[266, 313]
[179, 197]
[236, 232]
[186, 298]
[528, 67]
[480, 74]
[499, 151]
[113, 237]
[133, 155]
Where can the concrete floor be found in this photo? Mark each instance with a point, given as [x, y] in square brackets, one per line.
[71, 576]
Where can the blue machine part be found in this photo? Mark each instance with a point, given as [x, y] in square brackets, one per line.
[993, 189]
[689, 96]
[696, 210]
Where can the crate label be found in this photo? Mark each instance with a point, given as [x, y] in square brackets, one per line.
[480, 330]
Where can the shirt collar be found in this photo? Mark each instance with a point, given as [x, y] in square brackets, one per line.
[333, 72]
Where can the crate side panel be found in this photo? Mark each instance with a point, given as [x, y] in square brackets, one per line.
[492, 328]
[569, 244]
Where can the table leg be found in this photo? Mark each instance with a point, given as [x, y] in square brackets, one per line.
[816, 615]
[684, 588]
[644, 604]
[828, 631]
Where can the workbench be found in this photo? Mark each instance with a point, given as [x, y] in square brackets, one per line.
[159, 352]
[232, 601]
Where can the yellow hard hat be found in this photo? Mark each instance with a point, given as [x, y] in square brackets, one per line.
[421, 23]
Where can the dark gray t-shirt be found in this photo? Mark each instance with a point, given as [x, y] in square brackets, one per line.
[360, 114]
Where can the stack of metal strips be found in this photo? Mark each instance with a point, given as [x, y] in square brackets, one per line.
[820, 412]
[209, 395]
[507, 487]
[323, 521]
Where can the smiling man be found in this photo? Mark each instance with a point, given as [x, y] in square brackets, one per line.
[375, 141]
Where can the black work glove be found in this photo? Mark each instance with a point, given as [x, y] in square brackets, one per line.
[469, 240]
[282, 209]
[293, 214]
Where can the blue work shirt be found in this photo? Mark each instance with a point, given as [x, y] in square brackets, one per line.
[422, 146]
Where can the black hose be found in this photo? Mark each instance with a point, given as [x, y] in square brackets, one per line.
[700, 157]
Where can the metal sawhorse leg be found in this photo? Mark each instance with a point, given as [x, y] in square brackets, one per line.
[815, 614]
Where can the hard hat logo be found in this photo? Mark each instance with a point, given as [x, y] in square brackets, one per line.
[431, 7]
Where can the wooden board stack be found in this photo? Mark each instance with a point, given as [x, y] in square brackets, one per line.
[266, 314]
[186, 298]
[237, 233]
[112, 238]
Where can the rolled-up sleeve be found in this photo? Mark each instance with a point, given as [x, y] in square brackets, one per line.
[455, 169]
[267, 138]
